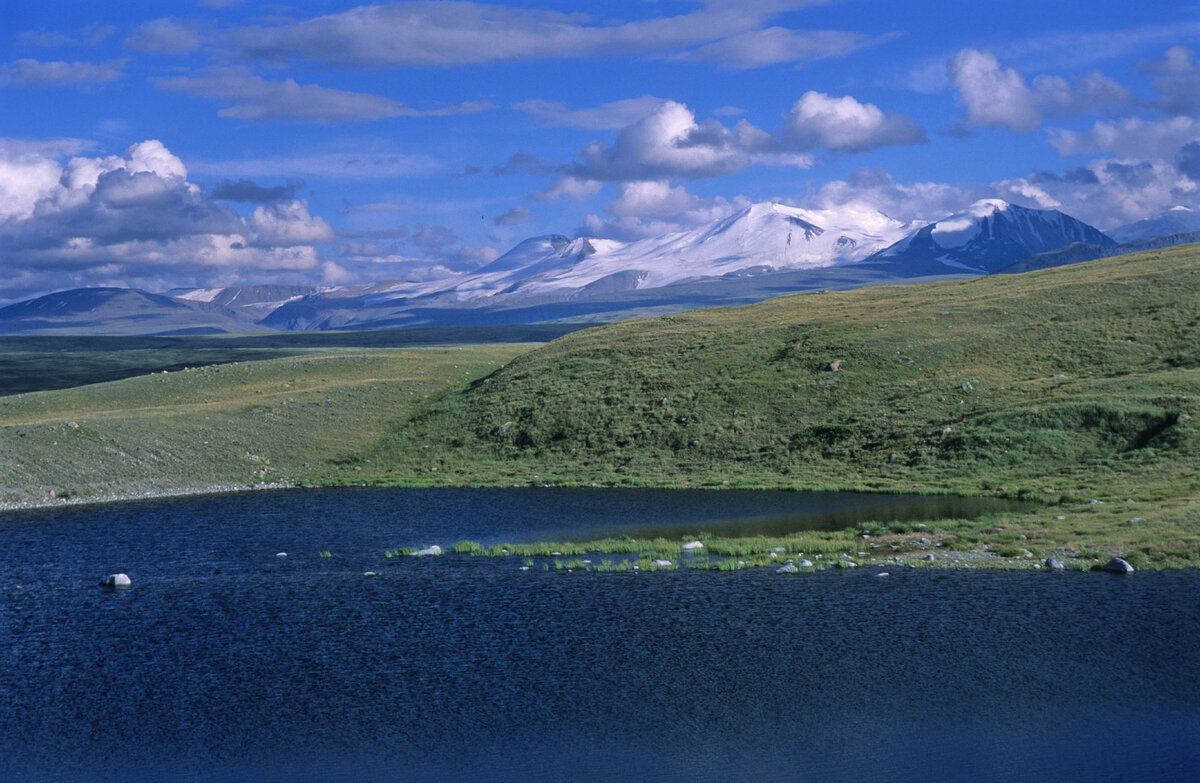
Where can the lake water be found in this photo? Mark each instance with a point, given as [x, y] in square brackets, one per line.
[227, 663]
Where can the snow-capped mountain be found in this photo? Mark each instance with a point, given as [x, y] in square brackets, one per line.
[763, 250]
[1175, 220]
[987, 236]
[253, 301]
[762, 238]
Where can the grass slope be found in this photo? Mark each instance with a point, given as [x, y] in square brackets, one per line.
[1067, 384]
[237, 424]
[36, 363]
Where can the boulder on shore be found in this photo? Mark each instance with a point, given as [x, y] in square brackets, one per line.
[116, 581]
[1118, 566]
[431, 551]
[1053, 564]
[790, 568]
[693, 545]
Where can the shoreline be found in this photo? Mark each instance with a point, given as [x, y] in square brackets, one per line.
[908, 549]
[130, 497]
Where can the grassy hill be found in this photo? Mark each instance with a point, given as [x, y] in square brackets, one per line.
[1067, 385]
[220, 426]
[1070, 384]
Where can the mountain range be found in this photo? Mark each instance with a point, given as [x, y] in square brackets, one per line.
[761, 251]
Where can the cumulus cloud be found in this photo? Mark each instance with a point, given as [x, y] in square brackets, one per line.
[1116, 191]
[461, 33]
[514, 217]
[135, 219]
[1105, 192]
[1000, 97]
[569, 188]
[1131, 136]
[258, 99]
[35, 73]
[774, 45]
[993, 96]
[876, 189]
[165, 36]
[666, 144]
[818, 120]
[670, 144]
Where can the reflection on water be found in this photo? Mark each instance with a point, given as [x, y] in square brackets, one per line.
[225, 662]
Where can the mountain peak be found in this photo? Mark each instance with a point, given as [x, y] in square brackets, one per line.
[988, 235]
[988, 206]
[1178, 219]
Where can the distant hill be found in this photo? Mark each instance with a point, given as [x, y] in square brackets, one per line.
[116, 311]
[760, 251]
[1176, 220]
[1078, 252]
[1081, 381]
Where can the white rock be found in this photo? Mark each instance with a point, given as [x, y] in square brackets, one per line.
[806, 563]
[281, 554]
[790, 568]
[660, 563]
[116, 581]
[370, 573]
[433, 550]
[693, 545]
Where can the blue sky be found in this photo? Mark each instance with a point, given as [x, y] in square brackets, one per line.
[329, 143]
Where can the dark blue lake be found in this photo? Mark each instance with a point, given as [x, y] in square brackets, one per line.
[225, 662]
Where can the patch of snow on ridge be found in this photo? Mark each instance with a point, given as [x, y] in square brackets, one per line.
[201, 294]
[961, 227]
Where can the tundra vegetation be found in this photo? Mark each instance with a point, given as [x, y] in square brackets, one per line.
[1066, 386]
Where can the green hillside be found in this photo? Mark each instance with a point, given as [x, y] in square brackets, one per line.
[1076, 383]
[274, 419]
[1068, 386]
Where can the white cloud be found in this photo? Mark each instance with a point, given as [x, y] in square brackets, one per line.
[165, 36]
[134, 219]
[459, 33]
[1000, 97]
[1075, 50]
[666, 144]
[514, 217]
[1131, 136]
[818, 120]
[774, 45]
[34, 73]
[288, 224]
[653, 209]
[340, 166]
[570, 188]
[1058, 97]
[652, 199]
[993, 96]
[1105, 192]
[869, 189]
[90, 35]
[608, 116]
[258, 99]
[669, 143]
[1109, 192]
[1178, 80]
